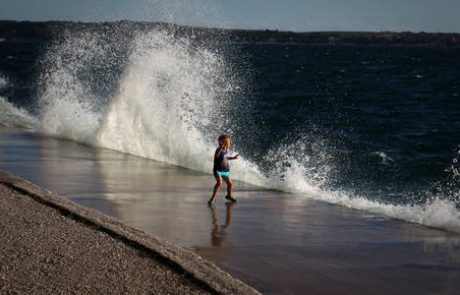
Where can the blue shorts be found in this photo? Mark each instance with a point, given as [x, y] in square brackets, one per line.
[222, 173]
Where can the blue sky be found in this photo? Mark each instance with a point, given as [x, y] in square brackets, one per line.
[295, 15]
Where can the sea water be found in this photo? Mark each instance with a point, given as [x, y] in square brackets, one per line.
[373, 128]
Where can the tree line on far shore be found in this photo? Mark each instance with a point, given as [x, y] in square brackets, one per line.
[44, 31]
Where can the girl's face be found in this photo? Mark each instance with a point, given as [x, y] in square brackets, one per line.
[227, 142]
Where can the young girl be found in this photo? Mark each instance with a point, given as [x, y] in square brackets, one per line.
[222, 169]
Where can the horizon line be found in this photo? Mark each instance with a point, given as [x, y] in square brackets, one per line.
[229, 28]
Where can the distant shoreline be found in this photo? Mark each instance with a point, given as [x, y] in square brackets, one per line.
[14, 31]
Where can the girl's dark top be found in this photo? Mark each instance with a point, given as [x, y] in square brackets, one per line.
[221, 161]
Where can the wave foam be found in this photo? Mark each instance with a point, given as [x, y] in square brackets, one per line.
[438, 212]
[11, 115]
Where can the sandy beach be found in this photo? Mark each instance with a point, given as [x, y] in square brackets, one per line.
[276, 242]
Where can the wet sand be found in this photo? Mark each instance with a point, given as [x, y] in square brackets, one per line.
[278, 243]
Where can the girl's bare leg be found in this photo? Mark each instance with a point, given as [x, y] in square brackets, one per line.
[216, 189]
[229, 183]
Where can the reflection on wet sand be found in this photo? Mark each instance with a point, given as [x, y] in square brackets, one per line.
[62, 166]
[219, 231]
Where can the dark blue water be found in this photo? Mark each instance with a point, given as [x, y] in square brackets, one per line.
[378, 122]
[389, 116]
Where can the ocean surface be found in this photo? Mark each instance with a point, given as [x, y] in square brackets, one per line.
[374, 128]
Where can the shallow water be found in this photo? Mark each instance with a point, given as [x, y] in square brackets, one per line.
[280, 243]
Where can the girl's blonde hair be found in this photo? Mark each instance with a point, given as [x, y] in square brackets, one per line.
[222, 138]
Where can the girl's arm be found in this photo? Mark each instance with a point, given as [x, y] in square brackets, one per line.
[234, 157]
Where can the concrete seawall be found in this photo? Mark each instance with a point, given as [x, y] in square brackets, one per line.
[54, 245]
